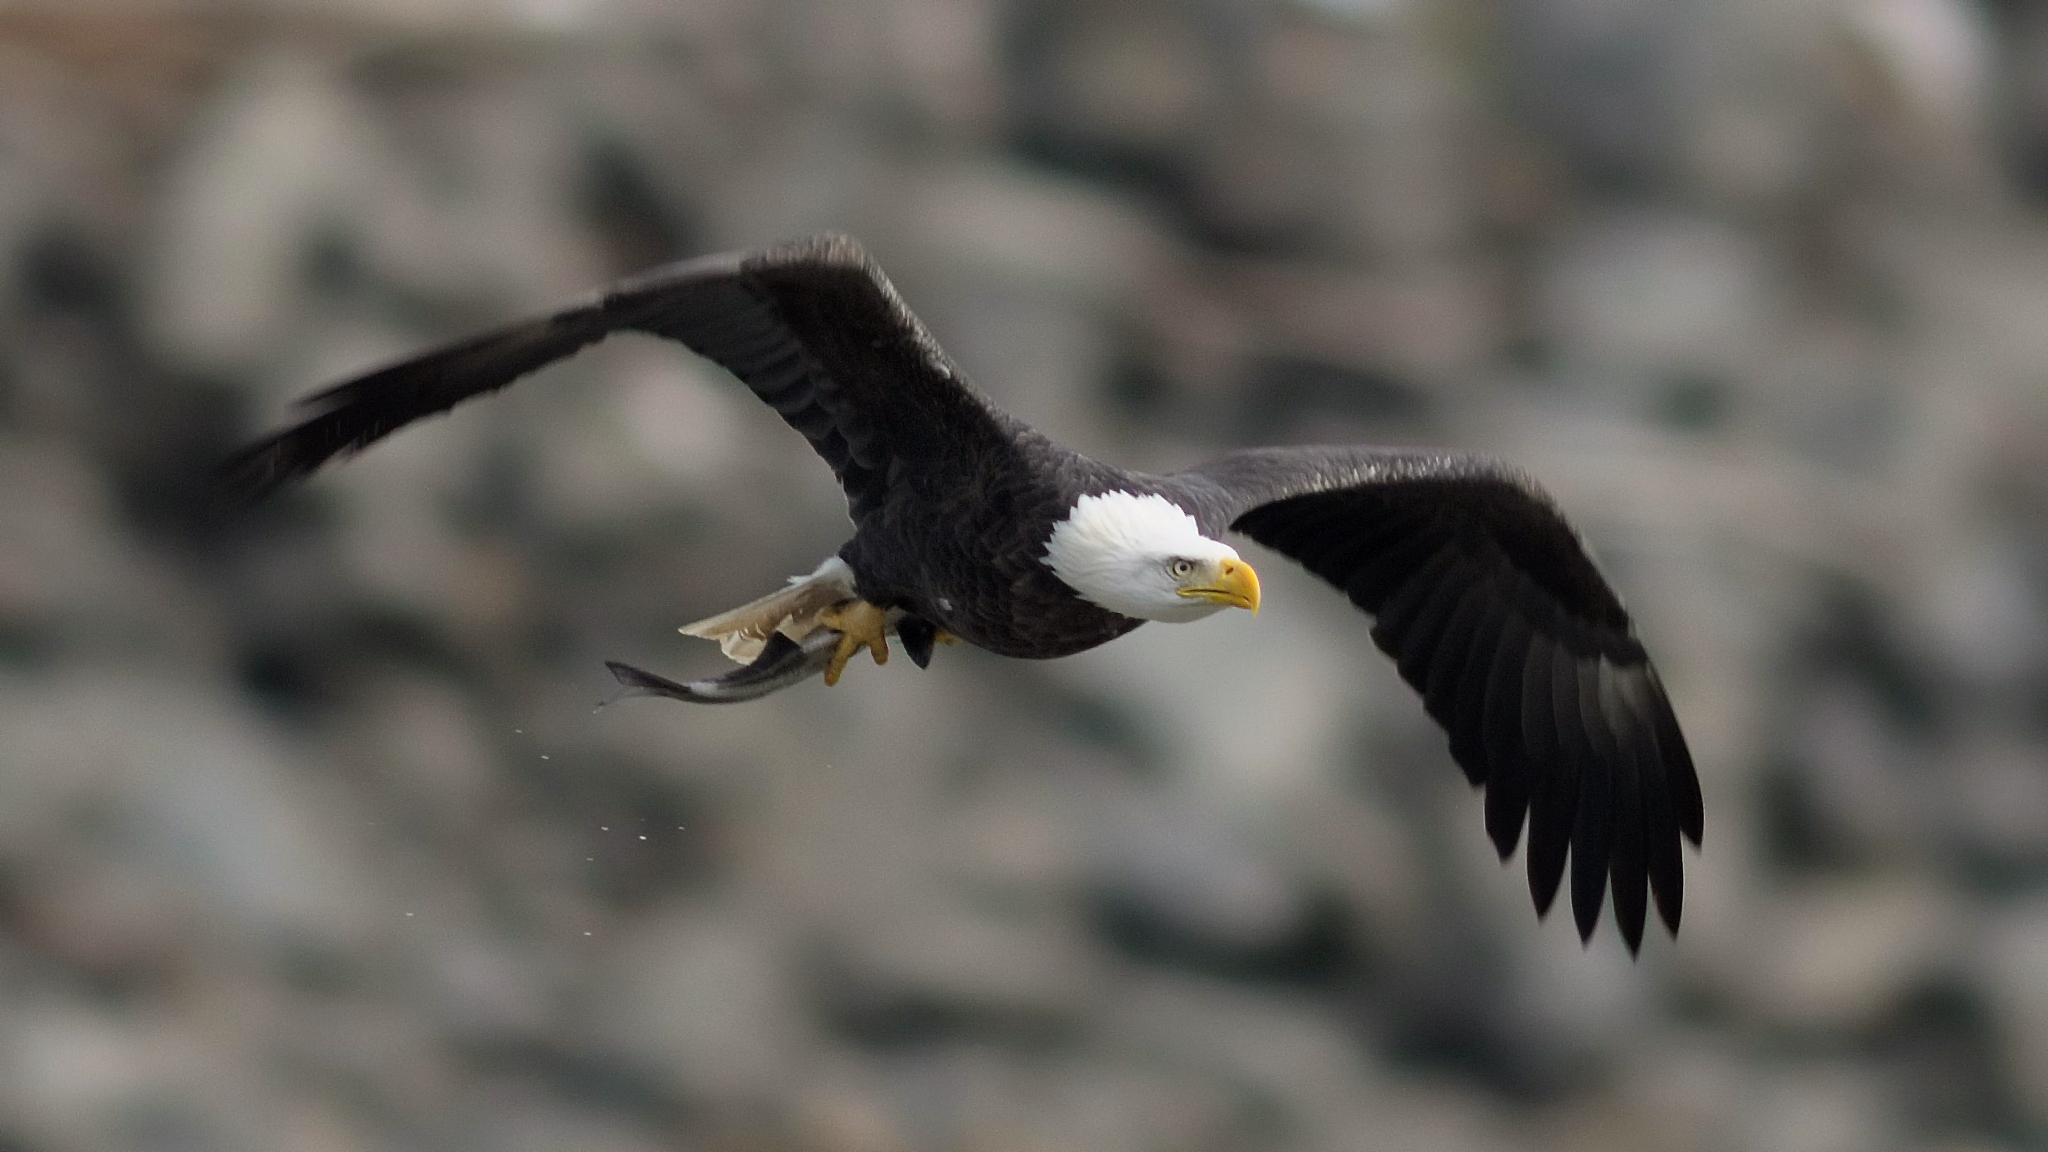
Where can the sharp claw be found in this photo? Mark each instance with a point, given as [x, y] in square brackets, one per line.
[840, 655]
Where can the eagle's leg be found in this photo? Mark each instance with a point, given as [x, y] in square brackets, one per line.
[860, 625]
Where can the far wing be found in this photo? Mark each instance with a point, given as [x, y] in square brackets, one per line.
[813, 328]
[1486, 599]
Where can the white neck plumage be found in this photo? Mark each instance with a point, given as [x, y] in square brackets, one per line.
[1143, 556]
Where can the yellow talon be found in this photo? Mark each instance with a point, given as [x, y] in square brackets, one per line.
[847, 647]
[945, 637]
[860, 625]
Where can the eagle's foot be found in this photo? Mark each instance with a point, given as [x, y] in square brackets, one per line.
[944, 637]
[860, 625]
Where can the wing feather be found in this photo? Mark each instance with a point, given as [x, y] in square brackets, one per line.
[1552, 780]
[1452, 649]
[1628, 865]
[1423, 643]
[1593, 828]
[1373, 580]
[1687, 805]
[1467, 726]
[1492, 609]
[1664, 862]
[813, 328]
[1507, 777]
[1399, 617]
[1553, 815]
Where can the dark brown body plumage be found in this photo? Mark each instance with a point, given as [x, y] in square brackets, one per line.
[1479, 589]
[961, 544]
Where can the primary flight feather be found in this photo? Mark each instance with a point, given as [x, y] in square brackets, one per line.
[971, 526]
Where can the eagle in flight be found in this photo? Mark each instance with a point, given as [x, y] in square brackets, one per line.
[971, 526]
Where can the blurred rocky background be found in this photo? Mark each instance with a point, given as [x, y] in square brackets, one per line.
[311, 838]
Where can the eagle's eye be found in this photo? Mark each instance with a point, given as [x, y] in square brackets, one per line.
[1181, 568]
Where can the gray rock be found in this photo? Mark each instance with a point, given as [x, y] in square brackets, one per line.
[193, 790]
[1819, 1108]
[1982, 614]
[1606, 82]
[80, 1079]
[511, 1118]
[704, 1001]
[1840, 955]
[1998, 800]
[1425, 328]
[1130, 83]
[933, 964]
[1863, 780]
[2008, 964]
[983, 1096]
[67, 575]
[1289, 1056]
[1176, 884]
[1646, 295]
[283, 150]
[429, 746]
[1411, 1115]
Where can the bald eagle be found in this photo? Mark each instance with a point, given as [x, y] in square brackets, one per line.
[971, 526]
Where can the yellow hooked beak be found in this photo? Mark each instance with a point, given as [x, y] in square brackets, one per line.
[1235, 586]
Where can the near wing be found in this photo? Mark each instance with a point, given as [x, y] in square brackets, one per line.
[1484, 596]
[812, 327]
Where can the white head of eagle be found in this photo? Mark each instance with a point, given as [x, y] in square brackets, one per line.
[1144, 557]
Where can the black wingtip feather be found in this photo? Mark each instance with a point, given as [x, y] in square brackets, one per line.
[1546, 851]
[1667, 885]
[1665, 860]
[1508, 779]
[1628, 864]
[1552, 822]
[1590, 836]
[1593, 823]
[250, 475]
[350, 416]
[1686, 801]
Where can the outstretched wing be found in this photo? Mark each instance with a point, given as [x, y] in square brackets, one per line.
[1484, 596]
[812, 327]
